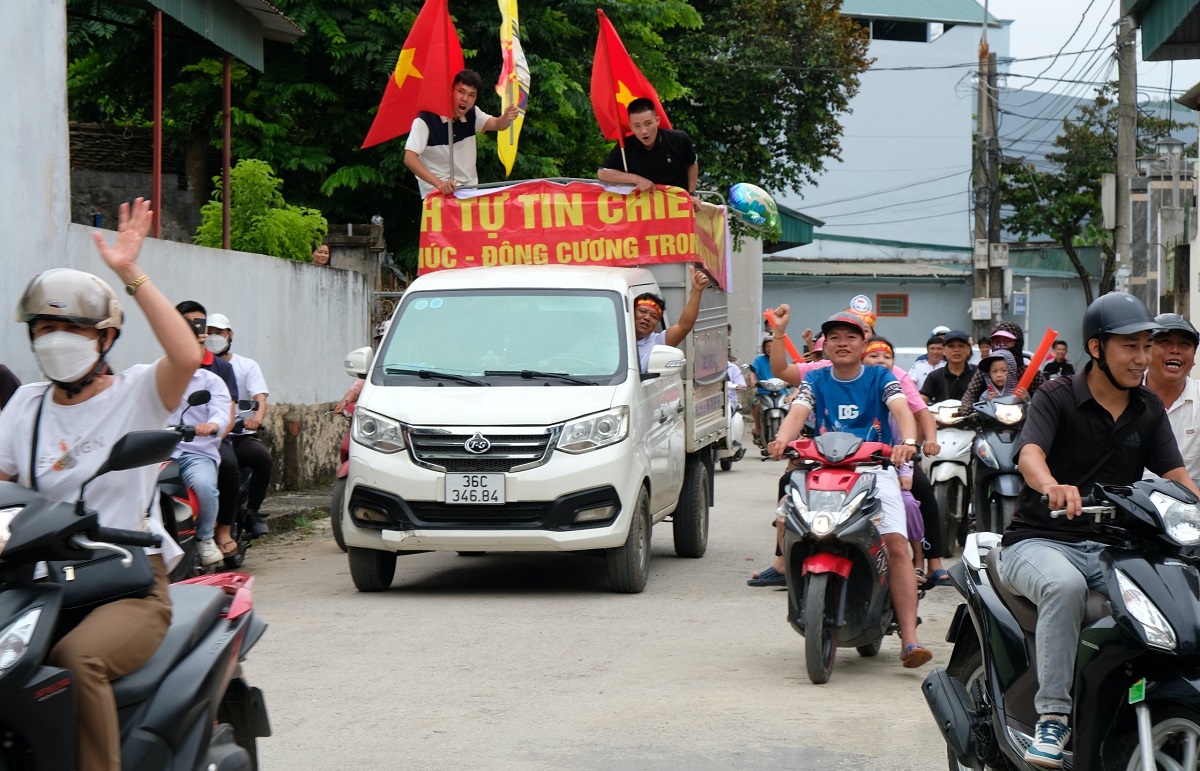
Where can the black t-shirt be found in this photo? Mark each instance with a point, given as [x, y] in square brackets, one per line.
[8, 384]
[1083, 446]
[942, 384]
[1057, 369]
[666, 163]
[223, 370]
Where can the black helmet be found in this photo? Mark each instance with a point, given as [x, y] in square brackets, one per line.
[1116, 313]
[1173, 322]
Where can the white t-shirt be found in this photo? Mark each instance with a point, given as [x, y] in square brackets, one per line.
[74, 440]
[250, 380]
[215, 411]
[1184, 415]
[646, 344]
[921, 370]
[436, 157]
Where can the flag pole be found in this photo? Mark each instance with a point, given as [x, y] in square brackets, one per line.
[613, 86]
[512, 99]
[452, 119]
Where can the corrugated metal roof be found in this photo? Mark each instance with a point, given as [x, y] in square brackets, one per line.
[237, 27]
[946, 11]
[864, 269]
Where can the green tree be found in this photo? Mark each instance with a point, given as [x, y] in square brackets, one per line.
[1063, 201]
[759, 84]
[260, 220]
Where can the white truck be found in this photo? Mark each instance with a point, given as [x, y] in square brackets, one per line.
[505, 411]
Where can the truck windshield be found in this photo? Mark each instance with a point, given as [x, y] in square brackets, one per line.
[506, 335]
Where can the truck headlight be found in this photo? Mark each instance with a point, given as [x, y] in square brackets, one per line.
[377, 432]
[1181, 520]
[14, 639]
[1159, 633]
[595, 431]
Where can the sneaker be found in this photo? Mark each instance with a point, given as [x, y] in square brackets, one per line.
[1050, 736]
[209, 553]
[256, 525]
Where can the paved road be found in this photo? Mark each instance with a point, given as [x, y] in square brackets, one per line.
[528, 662]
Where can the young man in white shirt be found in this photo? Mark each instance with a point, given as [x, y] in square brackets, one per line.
[1171, 361]
[427, 151]
[251, 453]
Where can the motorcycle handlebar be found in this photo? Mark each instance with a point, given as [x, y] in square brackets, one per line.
[125, 537]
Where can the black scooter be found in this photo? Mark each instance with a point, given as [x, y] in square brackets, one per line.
[1137, 674]
[187, 708]
[994, 476]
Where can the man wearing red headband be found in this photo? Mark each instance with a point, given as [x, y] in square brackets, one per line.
[648, 313]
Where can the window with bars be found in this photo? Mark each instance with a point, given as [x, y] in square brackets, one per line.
[891, 304]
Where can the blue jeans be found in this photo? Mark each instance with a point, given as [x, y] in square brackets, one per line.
[1056, 577]
[200, 473]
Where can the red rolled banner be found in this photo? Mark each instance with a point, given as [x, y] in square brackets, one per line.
[1038, 357]
[769, 315]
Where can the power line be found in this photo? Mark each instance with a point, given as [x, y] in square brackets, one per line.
[1066, 43]
[908, 68]
[905, 219]
[906, 186]
[892, 205]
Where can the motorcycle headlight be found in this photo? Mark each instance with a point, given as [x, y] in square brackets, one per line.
[1159, 633]
[948, 416]
[1010, 414]
[1181, 520]
[595, 431]
[6, 518]
[826, 509]
[985, 453]
[14, 639]
[377, 432]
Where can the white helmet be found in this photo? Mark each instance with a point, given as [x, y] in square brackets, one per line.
[940, 329]
[64, 294]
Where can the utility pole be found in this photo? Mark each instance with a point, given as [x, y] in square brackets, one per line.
[987, 280]
[1126, 148]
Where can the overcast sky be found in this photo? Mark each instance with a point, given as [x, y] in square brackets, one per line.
[1042, 27]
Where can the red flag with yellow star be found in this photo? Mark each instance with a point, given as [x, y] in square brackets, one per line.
[429, 59]
[616, 81]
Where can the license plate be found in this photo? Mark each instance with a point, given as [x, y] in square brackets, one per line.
[475, 489]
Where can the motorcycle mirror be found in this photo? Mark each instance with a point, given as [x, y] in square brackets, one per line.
[196, 398]
[135, 449]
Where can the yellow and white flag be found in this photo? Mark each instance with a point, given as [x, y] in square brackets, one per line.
[513, 86]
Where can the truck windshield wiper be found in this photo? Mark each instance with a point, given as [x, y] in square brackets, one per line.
[531, 374]
[429, 374]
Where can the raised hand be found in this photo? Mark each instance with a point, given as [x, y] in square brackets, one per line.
[133, 225]
[783, 314]
[699, 279]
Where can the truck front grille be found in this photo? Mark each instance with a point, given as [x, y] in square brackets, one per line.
[445, 450]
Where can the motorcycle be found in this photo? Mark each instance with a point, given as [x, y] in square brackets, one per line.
[837, 564]
[949, 470]
[337, 501]
[772, 407]
[188, 707]
[181, 508]
[731, 450]
[993, 471]
[1136, 689]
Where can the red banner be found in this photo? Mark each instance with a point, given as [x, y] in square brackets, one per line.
[574, 223]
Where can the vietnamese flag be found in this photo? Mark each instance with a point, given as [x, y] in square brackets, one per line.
[429, 60]
[616, 81]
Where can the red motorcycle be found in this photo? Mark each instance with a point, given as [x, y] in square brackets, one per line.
[338, 500]
[837, 564]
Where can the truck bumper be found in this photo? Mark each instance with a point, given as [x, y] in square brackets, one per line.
[572, 503]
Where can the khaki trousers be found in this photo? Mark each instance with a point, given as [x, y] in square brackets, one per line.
[111, 641]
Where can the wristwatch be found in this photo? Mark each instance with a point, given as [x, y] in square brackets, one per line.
[909, 442]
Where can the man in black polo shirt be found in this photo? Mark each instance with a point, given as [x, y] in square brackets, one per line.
[950, 381]
[659, 157]
[1059, 366]
[1100, 425]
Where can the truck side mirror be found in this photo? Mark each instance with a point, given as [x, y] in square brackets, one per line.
[358, 362]
[665, 360]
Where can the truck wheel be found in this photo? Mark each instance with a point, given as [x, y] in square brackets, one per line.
[726, 464]
[690, 520]
[371, 570]
[629, 564]
[336, 504]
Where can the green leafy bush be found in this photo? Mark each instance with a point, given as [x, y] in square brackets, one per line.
[260, 220]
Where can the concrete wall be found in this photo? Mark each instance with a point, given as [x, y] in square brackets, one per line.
[35, 196]
[102, 192]
[908, 132]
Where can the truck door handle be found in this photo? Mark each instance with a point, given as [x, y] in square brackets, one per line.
[662, 418]
[679, 408]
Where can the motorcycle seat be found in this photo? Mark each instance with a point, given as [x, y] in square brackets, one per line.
[193, 611]
[1025, 612]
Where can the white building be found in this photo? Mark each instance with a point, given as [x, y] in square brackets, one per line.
[905, 173]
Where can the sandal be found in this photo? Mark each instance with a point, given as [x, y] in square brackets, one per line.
[915, 656]
[768, 577]
[228, 547]
[939, 577]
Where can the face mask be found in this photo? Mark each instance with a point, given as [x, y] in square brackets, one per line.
[216, 344]
[64, 356]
